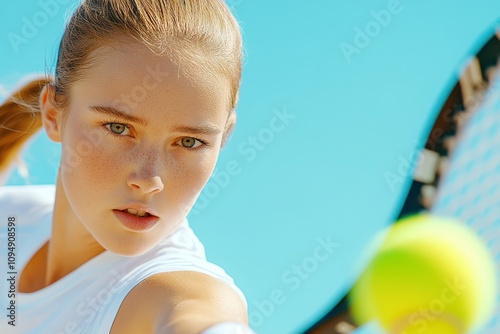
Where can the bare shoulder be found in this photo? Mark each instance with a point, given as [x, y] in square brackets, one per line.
[178, 302]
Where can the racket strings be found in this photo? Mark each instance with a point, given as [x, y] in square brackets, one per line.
[459, 173]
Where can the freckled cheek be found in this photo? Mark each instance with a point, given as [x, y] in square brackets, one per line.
[93, 163]
[195, 175]
[104, 165]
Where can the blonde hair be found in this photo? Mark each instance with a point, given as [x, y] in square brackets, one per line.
[194, 32]
[19, 120]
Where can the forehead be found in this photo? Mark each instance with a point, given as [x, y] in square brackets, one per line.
[133, 78]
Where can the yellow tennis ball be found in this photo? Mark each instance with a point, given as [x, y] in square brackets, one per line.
[431, 275]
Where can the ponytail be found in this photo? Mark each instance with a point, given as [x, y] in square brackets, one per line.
[20, 118]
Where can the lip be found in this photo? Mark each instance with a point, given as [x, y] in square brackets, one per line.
[138, 207]
[135, 223]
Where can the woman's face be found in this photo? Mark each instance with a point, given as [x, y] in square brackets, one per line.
[139, 132]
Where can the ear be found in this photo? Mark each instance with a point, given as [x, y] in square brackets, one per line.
[231, 120]
[51, 116]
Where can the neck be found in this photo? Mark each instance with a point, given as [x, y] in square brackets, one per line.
[70, 245]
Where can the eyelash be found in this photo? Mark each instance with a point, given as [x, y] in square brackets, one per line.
[105, 124]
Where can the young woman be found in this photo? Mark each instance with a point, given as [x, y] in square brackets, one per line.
[142, 101]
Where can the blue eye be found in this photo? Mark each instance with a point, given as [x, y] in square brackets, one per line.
[118, 129]
[190, 143]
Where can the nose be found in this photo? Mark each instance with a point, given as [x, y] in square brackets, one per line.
[145, 178]
[146, 185]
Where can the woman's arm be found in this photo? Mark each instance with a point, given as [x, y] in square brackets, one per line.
[183, 302]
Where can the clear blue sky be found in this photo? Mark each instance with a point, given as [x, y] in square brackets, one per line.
[352, 106]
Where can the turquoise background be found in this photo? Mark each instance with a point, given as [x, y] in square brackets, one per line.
[324, 175]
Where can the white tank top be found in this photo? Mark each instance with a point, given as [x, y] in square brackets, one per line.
[87, 299]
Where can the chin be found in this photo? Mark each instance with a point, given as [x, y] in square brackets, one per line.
[129, 249]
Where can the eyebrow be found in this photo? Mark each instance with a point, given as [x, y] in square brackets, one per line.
[206, 129]
[110, 111]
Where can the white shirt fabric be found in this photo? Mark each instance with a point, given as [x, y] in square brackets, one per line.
[87, 299]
